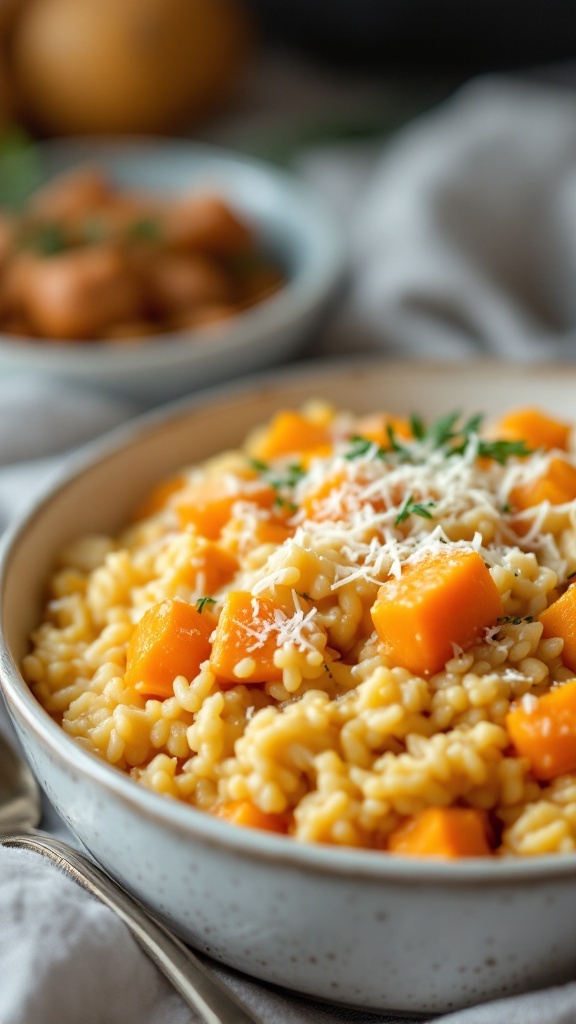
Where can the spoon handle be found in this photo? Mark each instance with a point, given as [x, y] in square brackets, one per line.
[187, 974]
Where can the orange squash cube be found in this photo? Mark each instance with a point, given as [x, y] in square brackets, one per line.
[248, 815]
[375, 428]
[544, 730]
[445, 599]
[247, 632]
[208, 505]
[534, 427]
[291, 433]
[559, 619]
[557, 485]
[450, 832]
[171, 639]
[210, 568]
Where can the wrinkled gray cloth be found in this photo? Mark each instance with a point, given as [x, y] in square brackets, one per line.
[463, 233]
[463, 242]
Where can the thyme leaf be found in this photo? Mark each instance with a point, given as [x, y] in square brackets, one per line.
[515, 620]
[361, 446]
[293, 474]
[501, 451]
[284, 503]
[417, 426]
[411, 507]
[395, 446]
[258, 465]
[442, 431]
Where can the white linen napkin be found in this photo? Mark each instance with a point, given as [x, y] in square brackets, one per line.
[463, 242]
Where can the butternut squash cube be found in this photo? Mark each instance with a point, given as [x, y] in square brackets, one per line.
[171, 639]
[207, 506]
[543, 729]
[442, 832]
[445, 599]
[559, 619]
[557, 485]
[291, 433]
[246, 640]
[535, 427]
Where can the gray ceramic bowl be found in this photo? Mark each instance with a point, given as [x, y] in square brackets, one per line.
[342, 924]
[289, 221]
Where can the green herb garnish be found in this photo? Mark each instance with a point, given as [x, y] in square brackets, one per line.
[203, 601]
[515, 620]
[501, 451]
[258, 465]
[20, 168]
[360, 446]
[294, 474]
[446, 433]
[284, 503]
[411, 507]
[48, 240]
[442, 431]
[405, 453]
[145, 230]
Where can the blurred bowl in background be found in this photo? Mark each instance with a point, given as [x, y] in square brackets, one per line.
[289, 224]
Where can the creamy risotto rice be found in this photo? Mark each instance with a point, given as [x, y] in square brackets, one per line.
[354, 630]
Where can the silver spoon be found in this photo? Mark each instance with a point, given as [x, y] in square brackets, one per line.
[19, 816]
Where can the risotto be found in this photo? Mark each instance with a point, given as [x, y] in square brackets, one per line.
[353, 630]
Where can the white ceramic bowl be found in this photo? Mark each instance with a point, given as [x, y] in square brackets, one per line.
[289, 221]
[342, 924]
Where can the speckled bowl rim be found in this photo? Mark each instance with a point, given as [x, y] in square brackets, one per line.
[367, 865]
[311, 282]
